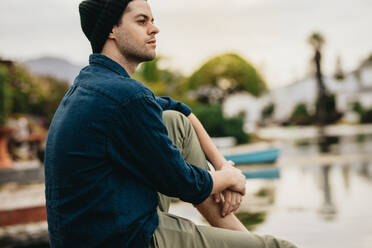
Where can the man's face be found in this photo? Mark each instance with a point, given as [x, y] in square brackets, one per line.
[135, 34]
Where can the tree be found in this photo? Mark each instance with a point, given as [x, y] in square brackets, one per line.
[268, 111]
[149, 71]
[316, 40]
[339, 72]
[368, 60]
[365, 114]
[5, 98]
[161, 81]
[224, 75]
[219, 126]
[34, 95]
[5, 102]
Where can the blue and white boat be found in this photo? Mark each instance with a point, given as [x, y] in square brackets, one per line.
[260, 157]
[272, 172]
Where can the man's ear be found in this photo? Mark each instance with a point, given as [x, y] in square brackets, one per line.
[112, 34]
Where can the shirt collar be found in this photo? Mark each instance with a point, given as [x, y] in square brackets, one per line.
[105, 61]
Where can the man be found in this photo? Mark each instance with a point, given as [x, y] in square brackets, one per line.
[114, 152]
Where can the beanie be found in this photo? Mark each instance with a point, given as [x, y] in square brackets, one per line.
[97, 17]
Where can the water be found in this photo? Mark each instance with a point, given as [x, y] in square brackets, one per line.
[313, 205]
[323, 206]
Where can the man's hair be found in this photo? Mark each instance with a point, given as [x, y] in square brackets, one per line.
[97, 17]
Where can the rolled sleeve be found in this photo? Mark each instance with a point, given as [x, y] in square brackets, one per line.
[141, 145]
[167, 103]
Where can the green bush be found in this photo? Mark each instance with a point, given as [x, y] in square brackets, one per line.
[364, 114]
[300, 115]
[330, 104]
[35, 95]
[217, 125]
[357, 107]
[331, 113]
[5, 98]
[268, 111]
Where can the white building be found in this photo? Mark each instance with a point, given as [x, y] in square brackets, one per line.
[356, 87]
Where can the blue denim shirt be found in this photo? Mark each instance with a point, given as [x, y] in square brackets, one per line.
[107, 156]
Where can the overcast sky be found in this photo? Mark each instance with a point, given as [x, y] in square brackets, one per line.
[271, 34]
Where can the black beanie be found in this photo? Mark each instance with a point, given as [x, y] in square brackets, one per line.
[97, 18]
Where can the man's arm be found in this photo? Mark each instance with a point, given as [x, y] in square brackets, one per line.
[209, 148]
[211, 209]
[232, 200]
[218, 214]
[138, 136]
[228, 177]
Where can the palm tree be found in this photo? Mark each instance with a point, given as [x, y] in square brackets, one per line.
[317, 41]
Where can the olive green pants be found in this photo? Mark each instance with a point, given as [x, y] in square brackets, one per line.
[177, 232]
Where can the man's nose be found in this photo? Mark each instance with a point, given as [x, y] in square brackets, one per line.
[154, 29]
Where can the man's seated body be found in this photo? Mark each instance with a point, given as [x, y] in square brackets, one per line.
[116, 153]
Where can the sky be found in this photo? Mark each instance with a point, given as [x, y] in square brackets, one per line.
[270, 34]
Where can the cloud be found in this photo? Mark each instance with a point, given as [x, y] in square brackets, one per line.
[269, 32]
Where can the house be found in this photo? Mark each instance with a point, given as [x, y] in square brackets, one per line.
[355, 87]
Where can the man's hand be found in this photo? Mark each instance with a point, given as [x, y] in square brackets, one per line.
[230, 178]
[237, 177]
[230, 200]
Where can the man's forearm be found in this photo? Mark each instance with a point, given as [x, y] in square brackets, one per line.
[221, 181]
[231, 200]
[209, 148]
[228, 178]
[211, 212]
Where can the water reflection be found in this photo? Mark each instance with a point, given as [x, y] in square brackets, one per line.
[255, 207]
[338, 194]
[327, 210]
[366, 170]
[315, 205]
[332, 144]
[360, 138]
[326, 143]
[251, 220]
[346, 176]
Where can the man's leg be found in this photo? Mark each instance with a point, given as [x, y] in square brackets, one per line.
[182, 134]
[174, 231]
[184, 137]
[177, 232]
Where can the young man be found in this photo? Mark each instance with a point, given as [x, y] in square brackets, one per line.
[114, 154]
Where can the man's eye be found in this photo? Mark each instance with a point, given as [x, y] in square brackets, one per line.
[141, 21]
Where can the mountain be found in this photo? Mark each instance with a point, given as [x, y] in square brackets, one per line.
[52, 66]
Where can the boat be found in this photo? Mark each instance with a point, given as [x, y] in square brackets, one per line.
[259, 157]
[262, 173]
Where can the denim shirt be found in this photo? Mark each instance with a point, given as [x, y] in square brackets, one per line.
[107, 156]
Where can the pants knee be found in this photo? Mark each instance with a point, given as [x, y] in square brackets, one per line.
[179, 127]
[176, 120]
[172, 115]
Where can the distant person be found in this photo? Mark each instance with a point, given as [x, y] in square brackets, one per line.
[115, 153]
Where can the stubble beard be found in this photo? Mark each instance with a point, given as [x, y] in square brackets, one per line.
[135, 53]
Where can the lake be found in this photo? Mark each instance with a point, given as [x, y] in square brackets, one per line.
[321, 199]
